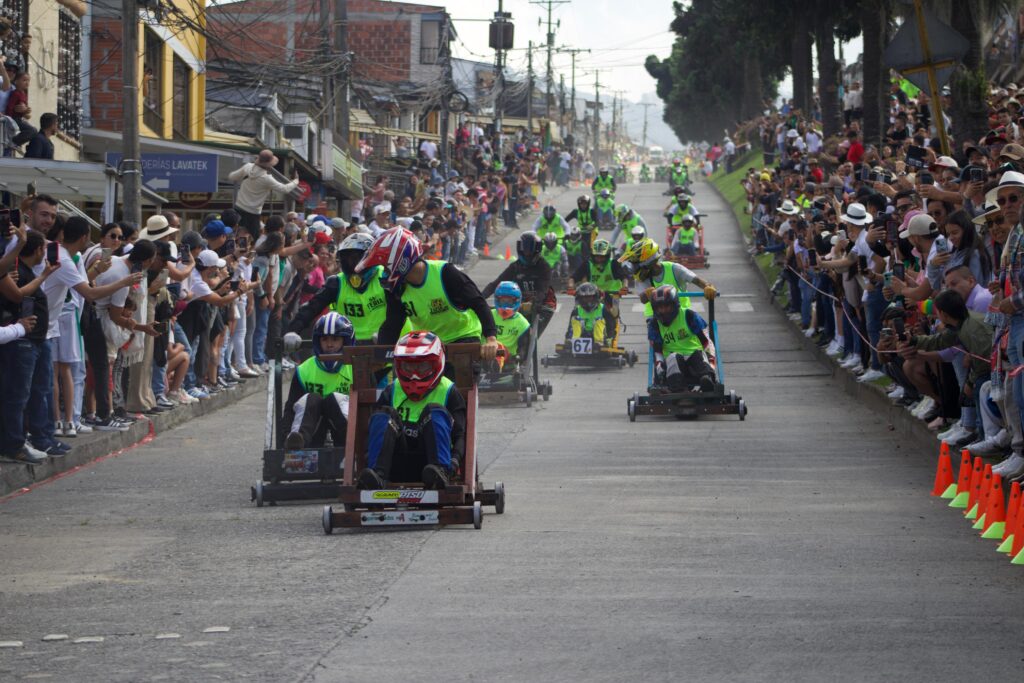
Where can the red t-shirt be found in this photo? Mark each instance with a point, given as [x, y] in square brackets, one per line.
[855, 153]
[14, 99]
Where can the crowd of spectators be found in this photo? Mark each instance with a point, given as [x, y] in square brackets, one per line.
[905, 262]
[17, 134]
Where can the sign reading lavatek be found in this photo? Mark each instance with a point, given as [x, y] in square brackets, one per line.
[175, 172]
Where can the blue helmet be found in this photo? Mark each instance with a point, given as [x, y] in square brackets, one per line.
[507, 298]
[332, 325]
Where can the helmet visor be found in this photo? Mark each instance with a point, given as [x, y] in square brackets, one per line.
[416, 369]
[506, 301]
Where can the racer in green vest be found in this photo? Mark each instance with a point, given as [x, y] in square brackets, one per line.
[605, 209]
[587, 219]
[318, 398]
[678, 175]
[588, 318]
[433, 295]
[685, 241]
[645, 173]
[678, 343]
[608, 275]
[625, 220]
[554, 255]
[360, 297]
[532, 274]
[550, 222]
[574, 248]
[418, 432]
[635, 235]
[513, 327]
[604, 181]
[650, 271]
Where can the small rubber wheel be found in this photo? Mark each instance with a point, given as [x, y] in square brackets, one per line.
[257, 494]
[478, 515]
[632, 358]
[528, 396]
[631, 410]
[328, 524]
[499, 503]
[546, 390]
[732, 396]
[743, 410]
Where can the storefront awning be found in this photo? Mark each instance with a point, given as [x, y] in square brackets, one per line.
[76, 181]
[361, 122]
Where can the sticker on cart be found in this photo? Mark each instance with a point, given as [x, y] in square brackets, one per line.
[300, 462]
[397, 517]
[399, 496]
[582, 346]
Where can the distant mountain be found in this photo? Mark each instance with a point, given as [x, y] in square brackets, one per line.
[658, 132]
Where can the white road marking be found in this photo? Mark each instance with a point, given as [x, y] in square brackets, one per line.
[55, 636]
[198, 643]
[637, 308]
[87, 639]
[217, 629]
[739, 306]
[167, 636]
[695, 305]
[11, 643]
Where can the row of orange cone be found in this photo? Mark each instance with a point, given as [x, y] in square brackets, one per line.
[979, 493]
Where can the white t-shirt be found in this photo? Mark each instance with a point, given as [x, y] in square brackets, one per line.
[56, 288]
[813, 142]
[118, 270]
[429, 149]
[199, 286]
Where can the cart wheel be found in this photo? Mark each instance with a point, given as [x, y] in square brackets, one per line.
[328, 524]
[499, 503]
[478, 515]
[621, 361]
[732, 396]
[544, 361]
[257, 494]
[632, 358]
[528, 396]
[631, 409]
[743, 410]
[546, 390]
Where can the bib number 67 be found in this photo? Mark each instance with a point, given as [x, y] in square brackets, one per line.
[582, 346]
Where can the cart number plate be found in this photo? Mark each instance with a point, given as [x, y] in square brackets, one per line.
[399, 497]
[397, 517]
[301, 462]
[582, 346]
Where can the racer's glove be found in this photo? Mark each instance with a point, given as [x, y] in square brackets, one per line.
[659, 372]
[291, 342]
[646, 295]
[710, 292]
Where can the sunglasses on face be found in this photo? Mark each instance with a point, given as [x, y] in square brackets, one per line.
[115, 237]
[1009, 199]
[994, 222]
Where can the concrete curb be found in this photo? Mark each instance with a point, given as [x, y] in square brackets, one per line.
[899, 419]
[87, 449]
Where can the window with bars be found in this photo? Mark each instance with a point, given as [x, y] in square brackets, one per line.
[182, 98]
[152, 82]
[69, 75]
[16, 14]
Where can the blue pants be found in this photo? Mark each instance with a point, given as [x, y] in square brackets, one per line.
[159, 381]
[27, 392]
[429, 441]
[874, 308]
[1015, 353]
[807, 295]
[259, 336]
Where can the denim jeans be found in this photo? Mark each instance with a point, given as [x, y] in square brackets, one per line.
[78, 379]
[1014, 353]
[28, 392]
[807, 295]
[874, 308]
[159, 381]
[259, 335]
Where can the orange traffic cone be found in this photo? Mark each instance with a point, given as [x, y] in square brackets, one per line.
[487, 250]
[1017, 551]
[508, 252]
[944, 485]
[995, 516]
[972, 500]
[963, 485]
[1012, 508]
[985, 490]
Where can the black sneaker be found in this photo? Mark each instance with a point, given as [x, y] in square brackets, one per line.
[23, 456]
[294, 441]
[110, 425]
[370, 479]
[707, 384]
[435, 477]
[122, 415]
[58, 450]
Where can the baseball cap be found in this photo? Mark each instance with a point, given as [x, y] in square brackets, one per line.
[383, 207]
[193, 240]
[946, 162]
[921, 224]
[216, 229]
[1012, 151]
[208, 258]
[166, 251]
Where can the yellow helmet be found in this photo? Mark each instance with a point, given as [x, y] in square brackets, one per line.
[644, 253]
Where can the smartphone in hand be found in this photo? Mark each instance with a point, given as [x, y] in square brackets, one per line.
[53, 253]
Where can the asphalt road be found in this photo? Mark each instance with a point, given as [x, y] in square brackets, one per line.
[799, 545]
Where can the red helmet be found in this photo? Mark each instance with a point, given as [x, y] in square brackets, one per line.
[419, 363]
[397, 250]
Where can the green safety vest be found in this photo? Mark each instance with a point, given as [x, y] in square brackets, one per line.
[429, 308]
[573, 247]
[626, 226]
[679, 175]
[410, 410]
[803, 202]
[586, 221]
[604, 183]
[678, 337]
[510, 330]
[589, 318]
[554, 225]
[686, 236]
[603, 278]
[316, 380]
[677, 217]
[552, 256]
[605, 204]
[667, 277]
[367, 309]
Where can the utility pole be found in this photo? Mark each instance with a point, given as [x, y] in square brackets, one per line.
[646, 106]
[551, 46]
[573, 52]
[131, 165]
[529, 89]
[597, 116]
[500, 18]
[341, 50]
[329, 84]
[449, 88]
[561, 95]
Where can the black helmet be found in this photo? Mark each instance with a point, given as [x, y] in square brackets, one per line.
[549, 212]
[528, 247]
[664, 297]
[583, 201]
